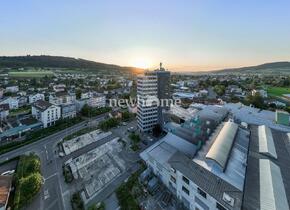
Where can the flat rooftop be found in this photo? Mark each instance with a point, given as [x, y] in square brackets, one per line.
[255, 116]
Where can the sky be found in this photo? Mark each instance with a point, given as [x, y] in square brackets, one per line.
[186, 35]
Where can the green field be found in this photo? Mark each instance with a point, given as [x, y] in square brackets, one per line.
[30, 74]
[278, 91]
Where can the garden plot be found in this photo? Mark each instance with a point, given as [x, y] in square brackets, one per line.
[83, 140]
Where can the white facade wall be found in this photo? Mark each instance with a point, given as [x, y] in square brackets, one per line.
[36, 97]
[193, 200]
[4, 114]
[12, 89]
[147, 114]
[97, 101]
[13, 102]
[49, 116]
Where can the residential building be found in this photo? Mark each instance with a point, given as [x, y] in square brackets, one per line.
[68, 111]
[12, 101]
[1, 92]
[4, 111]
[16, 127]
[147, 102]
[22, 101]
[12, 89]
[59, 98]
[35, 97]
[59, 88]
[97, 100]
[46, 112]
[262, 93]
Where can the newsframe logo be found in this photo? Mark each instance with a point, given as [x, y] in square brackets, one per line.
[147, 101]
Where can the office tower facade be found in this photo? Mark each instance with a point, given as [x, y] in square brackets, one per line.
[147, 108]
[163, 92]
[152, 88]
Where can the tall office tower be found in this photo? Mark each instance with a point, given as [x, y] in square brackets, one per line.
[152, 87]
[147, 108]
[163, 84]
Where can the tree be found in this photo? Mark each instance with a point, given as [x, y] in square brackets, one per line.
[256, 100]
[78, 93]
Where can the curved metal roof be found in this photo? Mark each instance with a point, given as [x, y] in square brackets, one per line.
[221, 147]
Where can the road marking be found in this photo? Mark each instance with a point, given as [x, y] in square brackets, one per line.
[50, 176]
[46, 194]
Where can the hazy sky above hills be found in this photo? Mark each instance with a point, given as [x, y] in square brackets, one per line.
[183, 34]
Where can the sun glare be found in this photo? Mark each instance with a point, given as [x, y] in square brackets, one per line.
[141, 63]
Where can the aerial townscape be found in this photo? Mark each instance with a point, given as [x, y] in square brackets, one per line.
[147, 117]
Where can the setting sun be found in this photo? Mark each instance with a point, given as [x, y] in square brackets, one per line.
[141, 63]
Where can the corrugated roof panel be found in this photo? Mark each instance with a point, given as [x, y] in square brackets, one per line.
[221, 147]
[272, 190]
[266, 143]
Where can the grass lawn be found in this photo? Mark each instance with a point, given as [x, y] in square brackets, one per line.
[30, 74]
[278, 91]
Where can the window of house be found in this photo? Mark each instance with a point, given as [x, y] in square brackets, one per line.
[220, 207]
[185, 180]
[172, 179]
[201, 192]
[184, 189]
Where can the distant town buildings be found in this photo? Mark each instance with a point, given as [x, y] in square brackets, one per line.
[11, 101]
[12, 89]
[63, 97]
[262, 93]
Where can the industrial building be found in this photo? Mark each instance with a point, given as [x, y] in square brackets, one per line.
[211, 162]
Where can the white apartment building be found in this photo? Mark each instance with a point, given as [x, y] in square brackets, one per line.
[147, 108]
[13, 102]
[60, 98]
[96, 100]
[35, 97]
[12, 89]
[68, 111]
[46, 112]
[4, 111]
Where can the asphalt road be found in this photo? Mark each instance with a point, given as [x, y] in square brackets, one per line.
[51, 195]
